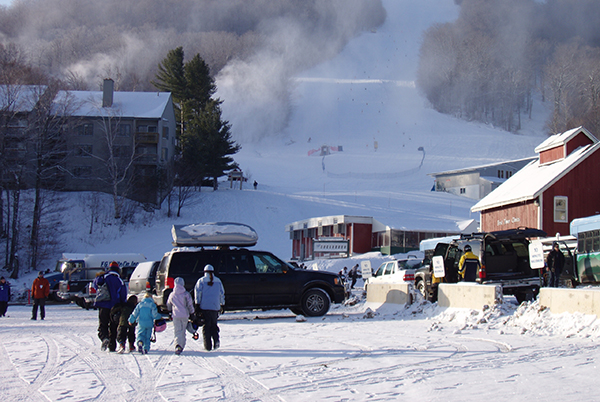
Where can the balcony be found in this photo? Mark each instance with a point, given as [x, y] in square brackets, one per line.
[142, 159]
[146, 138]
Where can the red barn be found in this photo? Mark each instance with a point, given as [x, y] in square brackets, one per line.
[561, 185]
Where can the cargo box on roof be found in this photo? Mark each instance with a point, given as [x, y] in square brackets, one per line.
[214, 234]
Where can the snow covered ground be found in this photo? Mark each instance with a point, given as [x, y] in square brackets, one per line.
[421, 352]
[366, 94]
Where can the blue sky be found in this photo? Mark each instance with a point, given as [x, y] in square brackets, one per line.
[5, 2]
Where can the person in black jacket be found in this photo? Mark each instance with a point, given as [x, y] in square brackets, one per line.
[556, 262]
[115, 292]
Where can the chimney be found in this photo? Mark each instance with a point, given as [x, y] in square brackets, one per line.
[107, 92]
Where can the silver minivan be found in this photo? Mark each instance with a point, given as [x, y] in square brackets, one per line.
[143, 278]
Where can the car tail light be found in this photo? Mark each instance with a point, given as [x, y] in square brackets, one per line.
[336, 281]
[170, 283]
[148, 287]
[482, 272]
[409, 277]
[91, 289]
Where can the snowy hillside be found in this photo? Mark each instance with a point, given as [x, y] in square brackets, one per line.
[363, 96]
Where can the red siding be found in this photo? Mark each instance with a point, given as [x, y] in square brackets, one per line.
[578, 141]
[552, 154]
[361, 242]
[510, 217]
[582, 187]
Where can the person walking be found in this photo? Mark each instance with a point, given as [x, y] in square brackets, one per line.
[39, 292]
[209, 297]
[468, 265]
[110, 290]
[353, 274]
[125, 332]
[556, 262]
[4, 296]
[144, 315]
[181, 306]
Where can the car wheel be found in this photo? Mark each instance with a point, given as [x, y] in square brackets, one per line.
[421, 288]
[315, 302]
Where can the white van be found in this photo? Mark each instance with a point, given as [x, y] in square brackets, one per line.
[143, 279]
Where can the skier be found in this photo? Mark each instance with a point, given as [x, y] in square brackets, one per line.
[116, 292]
[144, 315]
[4, 296]
[39, 292]
[182, 307]
[209, 298]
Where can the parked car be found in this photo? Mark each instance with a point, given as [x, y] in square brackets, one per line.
[397, 271]
[504, 258]
[252, 279]
[143, 278]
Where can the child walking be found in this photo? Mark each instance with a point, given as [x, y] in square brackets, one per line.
[182, 307]
[126, 332]
[144, 315]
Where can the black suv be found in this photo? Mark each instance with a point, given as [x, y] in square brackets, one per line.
[252, 280]
[504, 257]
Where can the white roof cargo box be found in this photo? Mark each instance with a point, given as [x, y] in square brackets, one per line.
[214, 234]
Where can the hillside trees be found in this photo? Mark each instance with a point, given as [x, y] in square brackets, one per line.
[204, 138]
[487, 65]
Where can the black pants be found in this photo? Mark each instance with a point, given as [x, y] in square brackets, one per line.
[3, 308]
[126, 333]
[555, 277]
[210, 331]
[107, 329]
[41, 302]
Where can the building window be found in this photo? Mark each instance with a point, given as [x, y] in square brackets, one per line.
[166, 133]
[83, 150]
[164, 154]
[124, 130]
[82, 171]
[152, 129]
[121, 151]
[560, 209]
[463, 190]
[85, 129]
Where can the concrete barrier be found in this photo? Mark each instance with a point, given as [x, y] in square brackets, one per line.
[468, 295]
[397, 293]
[559, 300]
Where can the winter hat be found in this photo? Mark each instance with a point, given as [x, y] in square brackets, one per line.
[114, 265]
[179, 281]
[209, 268]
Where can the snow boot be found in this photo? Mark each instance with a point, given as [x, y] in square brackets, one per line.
[141, 347]
[104, 345]
[178, 350]
[121, 349]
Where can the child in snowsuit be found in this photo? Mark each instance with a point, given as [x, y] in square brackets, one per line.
[125, 332]
[181, 306]
[144, 315]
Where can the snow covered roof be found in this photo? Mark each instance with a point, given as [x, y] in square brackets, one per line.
[531, 181]
[475, 168]
[561, 139]
[150, 105]
[20, 98]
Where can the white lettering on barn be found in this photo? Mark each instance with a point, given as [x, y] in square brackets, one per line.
[506, 221]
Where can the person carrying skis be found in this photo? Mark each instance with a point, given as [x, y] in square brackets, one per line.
[4, 296]
[115, 292]
[209, 297]
[181, 306]
[144, 315]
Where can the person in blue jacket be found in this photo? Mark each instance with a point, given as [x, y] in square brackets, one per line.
[107, 328]
[144, 315]
[4, 296]
[209, 297]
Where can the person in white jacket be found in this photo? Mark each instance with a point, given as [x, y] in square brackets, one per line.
[209, 297]
[181, 307]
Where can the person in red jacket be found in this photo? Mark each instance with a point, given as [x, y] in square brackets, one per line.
[39, 292]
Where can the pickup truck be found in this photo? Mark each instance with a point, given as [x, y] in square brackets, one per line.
[504, 258]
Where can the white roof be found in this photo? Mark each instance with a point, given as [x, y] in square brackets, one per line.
[20, 98]
[586, 224]
[561, 139]
[149, 105]
[531, 181]
[481, 167]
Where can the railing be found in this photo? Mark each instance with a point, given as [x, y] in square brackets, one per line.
[146, 138]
